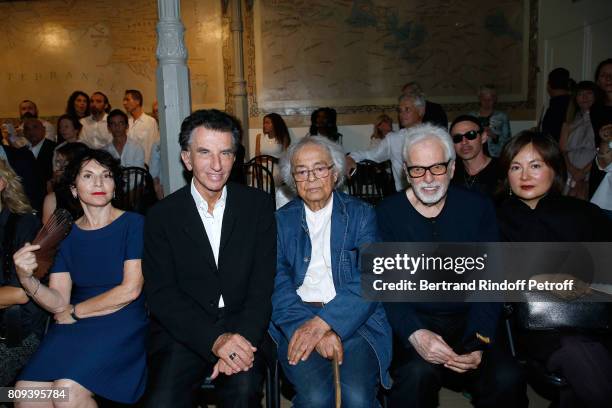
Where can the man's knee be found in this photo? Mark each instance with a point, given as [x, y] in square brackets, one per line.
[417, 371]
[245, 386]
[314, 394]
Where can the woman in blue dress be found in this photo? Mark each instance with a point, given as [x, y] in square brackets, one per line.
[97, 344]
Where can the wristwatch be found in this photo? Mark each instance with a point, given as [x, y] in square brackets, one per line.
[73, 313]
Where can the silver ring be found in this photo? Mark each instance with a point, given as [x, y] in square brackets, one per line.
[232, 356]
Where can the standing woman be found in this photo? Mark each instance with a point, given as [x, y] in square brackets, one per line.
[535, 211]
[577, 140]
[21, 321]
[276, 137]
[78, 105]
[494, 122]
[97, 343]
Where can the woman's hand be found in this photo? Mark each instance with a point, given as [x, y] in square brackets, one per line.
[25, 260]
[64, 317]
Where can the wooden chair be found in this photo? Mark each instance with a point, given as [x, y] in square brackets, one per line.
[260, 177]
[269, 162]
[372, 181]
[138, 193]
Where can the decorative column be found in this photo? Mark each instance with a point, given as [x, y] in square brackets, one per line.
[239, 92]
[173, 90]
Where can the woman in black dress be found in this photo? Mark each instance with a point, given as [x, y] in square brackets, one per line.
[535, 211]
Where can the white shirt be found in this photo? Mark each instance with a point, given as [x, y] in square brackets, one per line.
[603, 194]
[390, 148]
[95, 134]
[145, 131]
[155, 161]
[318, 283]
[212, 222]
[131, 156]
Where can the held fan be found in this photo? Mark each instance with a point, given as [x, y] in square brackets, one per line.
[49, 238]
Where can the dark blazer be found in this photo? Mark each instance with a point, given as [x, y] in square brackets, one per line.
[44, 161]
[23, 162]
[183, 284]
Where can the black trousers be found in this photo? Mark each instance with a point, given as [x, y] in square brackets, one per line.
[498, 381]
[176, 373]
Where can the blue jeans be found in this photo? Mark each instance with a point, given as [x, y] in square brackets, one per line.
[314, 383]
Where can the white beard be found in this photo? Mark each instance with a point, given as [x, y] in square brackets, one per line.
[427, 198]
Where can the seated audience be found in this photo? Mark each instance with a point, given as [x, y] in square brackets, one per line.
[276, 137]
[577, 141]
[21, 320]
[495, 123]
[41, 148]
[318, 313]
[558, 88]
[78, 105]
[535, 210]
[60, 196]
[128, 151]
[434, 113]
[95, 133]
[382, 126]
[323, 123]
[410, 111]
[143, 128]
[475, 170]
[97, 343]
[445, 342]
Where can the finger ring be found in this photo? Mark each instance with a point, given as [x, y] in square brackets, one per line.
[232, 356]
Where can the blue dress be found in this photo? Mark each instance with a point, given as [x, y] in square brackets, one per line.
[105, 354]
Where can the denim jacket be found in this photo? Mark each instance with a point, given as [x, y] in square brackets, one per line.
[353, 224]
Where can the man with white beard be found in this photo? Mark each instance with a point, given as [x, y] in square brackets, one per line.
[444, 342]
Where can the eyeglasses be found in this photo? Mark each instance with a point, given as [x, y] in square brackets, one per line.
[437, 169]
[319, 172]
[471, 135]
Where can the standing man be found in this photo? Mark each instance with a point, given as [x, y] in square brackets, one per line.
[143, 128]
[95, 132]
[122, 148]
[410, 110]
[475, 171]
[558, 88]
[209, 263]
[28, 109]
[439, 342]
[434, 113]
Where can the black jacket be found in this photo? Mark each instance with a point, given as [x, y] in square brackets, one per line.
[183, 283]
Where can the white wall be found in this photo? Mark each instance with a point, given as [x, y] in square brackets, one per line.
[357, 137]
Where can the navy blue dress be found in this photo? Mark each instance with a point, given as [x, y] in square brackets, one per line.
[105, 354]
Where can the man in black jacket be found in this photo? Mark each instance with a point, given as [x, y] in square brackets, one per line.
[209, 263]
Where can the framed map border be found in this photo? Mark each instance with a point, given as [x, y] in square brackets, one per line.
[256, 111]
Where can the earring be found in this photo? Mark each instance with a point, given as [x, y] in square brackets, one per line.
[510, 191]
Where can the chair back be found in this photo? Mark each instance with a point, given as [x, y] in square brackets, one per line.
[269, 162]
[138, 193]
[372, 181]
[258, 176]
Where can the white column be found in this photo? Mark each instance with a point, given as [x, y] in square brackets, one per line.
[239, 92]
[173, 90]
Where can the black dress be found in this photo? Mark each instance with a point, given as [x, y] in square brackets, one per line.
[584, 359]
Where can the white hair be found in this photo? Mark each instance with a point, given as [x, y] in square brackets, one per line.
[333, 149]
[417, 100]
[416, 134]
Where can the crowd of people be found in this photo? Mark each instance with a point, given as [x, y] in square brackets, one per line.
[216, 282]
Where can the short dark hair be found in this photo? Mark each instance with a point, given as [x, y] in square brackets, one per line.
[559, 78]
[136, 95]
[106, 101]
[70, 105]
[466, 118]
[117, 112]
[104, 158]
[546, 146]
[72, 150]
[211, 119]
[75, 123]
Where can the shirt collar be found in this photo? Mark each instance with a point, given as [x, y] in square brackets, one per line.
[201, 203]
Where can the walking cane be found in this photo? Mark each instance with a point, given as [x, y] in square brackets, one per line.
[336, 369]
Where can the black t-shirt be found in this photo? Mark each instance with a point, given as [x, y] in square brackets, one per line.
[25, 229]
[485, 181]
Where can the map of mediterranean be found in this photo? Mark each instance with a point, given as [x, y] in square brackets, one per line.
[51, 48]
[361, 52]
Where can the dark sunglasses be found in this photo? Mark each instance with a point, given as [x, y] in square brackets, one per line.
[471, 135]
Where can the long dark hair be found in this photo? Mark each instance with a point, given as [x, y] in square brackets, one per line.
[331, 115]
[281, 133]
[70, 105]
[75, 123]
[545, 146]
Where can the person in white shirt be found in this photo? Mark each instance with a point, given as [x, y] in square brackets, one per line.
[129, 152]
[143, 128]
[28, 109]
[410, 111]
[95, 133]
